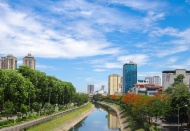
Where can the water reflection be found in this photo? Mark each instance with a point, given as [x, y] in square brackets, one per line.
[113, 121]
[101, 119]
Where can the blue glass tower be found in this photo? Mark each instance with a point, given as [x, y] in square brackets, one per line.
[129, 76]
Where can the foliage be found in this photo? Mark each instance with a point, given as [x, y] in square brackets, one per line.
[114, 97]
[37, 107]
[25, 86]
[8, 108]
[23, 109]
[178, 79]
[48, 108]
[97, 97]
[6, 123]
[80, 99]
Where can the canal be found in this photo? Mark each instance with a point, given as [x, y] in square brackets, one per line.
[101, 119]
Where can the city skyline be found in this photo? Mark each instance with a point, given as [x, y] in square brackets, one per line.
[84, 41]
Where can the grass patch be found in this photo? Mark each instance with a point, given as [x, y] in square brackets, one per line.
[55, 123]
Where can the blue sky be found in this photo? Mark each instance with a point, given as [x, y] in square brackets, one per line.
[84, 41]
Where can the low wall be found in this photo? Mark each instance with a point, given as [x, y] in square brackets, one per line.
[24, 125]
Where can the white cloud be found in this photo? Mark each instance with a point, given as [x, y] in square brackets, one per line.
[171, 50]
[166, 31]
[140, 59]
[99, 70]
[40, 66]
[25, 33]
[172, 60]
[144, 5]
[109, 65]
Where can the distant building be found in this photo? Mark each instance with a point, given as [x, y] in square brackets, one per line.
[103, 87]
[146, 89]
[169, 75]
[121, 85]
[129, 76]
[90, 89]
[8, 62]
[114, 84]
[100, 91]
[142, 82]
[30, 61]
[156, 80]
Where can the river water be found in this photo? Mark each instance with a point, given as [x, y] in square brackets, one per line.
[101, 119]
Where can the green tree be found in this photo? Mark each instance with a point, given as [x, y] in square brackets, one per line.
[23, 109]
[8, 108]
[37, 107]
[48, 108]
[178, 79]
[97, 97]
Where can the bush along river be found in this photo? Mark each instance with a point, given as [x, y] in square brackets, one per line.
[101, 119]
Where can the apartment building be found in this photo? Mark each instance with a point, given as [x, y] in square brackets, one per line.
[169, 75]
[30, 61]
[114, 84]
[8, 62]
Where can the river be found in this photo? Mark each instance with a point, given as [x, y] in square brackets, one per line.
[101, 119]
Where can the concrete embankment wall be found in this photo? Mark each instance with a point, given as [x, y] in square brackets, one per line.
[24, 125]
[121, 117]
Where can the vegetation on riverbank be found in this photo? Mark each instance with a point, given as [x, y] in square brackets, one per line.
[28, 94]
[143, 112]
[55, 123]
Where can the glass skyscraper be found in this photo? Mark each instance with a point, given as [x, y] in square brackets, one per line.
[129, 76]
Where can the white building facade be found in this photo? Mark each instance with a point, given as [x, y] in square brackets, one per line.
[169, 75]
[156, 80]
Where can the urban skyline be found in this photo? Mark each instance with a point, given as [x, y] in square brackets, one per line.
[10, 61]
[84, 41]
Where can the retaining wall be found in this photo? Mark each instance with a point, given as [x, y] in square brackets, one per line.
[121, 117]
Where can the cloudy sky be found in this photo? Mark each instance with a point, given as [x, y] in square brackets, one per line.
[84, 41]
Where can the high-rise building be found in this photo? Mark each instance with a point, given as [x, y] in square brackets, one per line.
[156, 80]
[30, 61]
[102, 87]
[114, 84]
[90, 89]
[169, 75]
[129, 76]
[8, 62]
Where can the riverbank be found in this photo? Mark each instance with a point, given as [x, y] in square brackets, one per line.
[124, 126]
[64, 122]
[44, 119]
[75, 120]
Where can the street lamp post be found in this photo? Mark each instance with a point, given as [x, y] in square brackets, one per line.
[178, 114]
